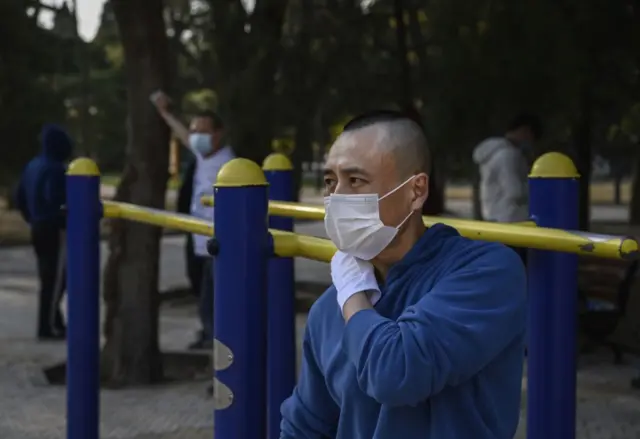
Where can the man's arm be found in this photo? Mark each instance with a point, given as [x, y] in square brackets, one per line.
[451, 334]
[161, 102]
[310, 412]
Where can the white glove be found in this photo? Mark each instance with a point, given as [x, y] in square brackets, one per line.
[351, 275]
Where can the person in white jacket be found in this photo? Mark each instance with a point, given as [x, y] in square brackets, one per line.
[504, 167]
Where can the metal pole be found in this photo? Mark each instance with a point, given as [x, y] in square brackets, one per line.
[553, 285]
[83, 288]
[281, 324]
[240, 279]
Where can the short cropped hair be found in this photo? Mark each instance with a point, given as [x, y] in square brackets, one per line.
[215, 118]
[529, 120]
[403, 137]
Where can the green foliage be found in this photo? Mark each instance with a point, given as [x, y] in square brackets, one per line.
[296, 69]
[26, 98]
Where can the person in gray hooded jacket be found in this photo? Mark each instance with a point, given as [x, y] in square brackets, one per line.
[504, 167]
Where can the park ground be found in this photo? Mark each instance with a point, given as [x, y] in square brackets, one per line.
[32, 409]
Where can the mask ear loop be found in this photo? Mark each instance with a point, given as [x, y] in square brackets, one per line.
[405, 220]
[393, 191]
[397, 188]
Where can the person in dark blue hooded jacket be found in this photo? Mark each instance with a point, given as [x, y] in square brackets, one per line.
[40, 196]
[421, 335]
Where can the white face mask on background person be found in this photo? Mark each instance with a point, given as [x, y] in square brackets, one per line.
[353, 223]
[200, 142]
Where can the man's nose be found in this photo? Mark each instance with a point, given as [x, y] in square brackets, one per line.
[341, 188]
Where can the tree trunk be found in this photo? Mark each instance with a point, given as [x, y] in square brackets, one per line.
[435, 203]
[617, 189]
[404, 79]
[131, 354]
[305, 94]
[582, 136]
[634, 204]
[303, 151]
[247, 65]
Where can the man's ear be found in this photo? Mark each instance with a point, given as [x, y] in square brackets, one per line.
[420, 191]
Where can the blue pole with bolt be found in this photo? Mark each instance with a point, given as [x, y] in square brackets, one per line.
[553, 291]
[84, 212]
[241, 248]
[281, 325]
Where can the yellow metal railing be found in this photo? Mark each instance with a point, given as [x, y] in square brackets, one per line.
[288, 244]
[315, 212]
[156, 217]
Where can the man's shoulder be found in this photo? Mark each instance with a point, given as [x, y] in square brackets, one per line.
[509, 152]
[485, 152]
[40, 164]
[469, 252]
[495, 140]
[221, 156]
[226, 154]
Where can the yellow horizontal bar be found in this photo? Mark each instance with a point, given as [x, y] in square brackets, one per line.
[156, 217]
[289, 245]
[316, 212]
[286, 244]
[586, 244]
[541, 238]
[602, 246]
[524, 234]
[296, 210]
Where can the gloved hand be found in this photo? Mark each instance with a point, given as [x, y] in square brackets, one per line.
[351, 275]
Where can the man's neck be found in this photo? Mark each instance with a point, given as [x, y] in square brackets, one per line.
[400, 246]
[513, 139]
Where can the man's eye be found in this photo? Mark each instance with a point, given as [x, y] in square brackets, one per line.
[355, 181]
[329, 181]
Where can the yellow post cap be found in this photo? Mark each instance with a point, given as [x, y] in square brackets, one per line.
[83, 167]
[240, 172]
[554, 165]
[277, 162]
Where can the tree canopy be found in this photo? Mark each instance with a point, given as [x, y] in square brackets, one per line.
[287, 74]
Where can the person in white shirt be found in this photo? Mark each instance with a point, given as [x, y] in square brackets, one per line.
[504, 166]
[204, 139]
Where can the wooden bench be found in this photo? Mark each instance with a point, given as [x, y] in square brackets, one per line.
[608, 302]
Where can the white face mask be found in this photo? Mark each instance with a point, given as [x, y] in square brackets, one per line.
[353, 223]
[201, 142]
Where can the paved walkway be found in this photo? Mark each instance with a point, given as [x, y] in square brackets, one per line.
[30, 409]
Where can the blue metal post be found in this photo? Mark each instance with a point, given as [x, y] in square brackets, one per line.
[553, 285]
[83, 299]
[243, 243]
[281, 325]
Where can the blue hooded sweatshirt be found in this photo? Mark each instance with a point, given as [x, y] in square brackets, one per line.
[42, 189]
[440, 356]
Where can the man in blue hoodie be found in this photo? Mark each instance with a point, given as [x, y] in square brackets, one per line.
[40, 196]
[421, 335]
